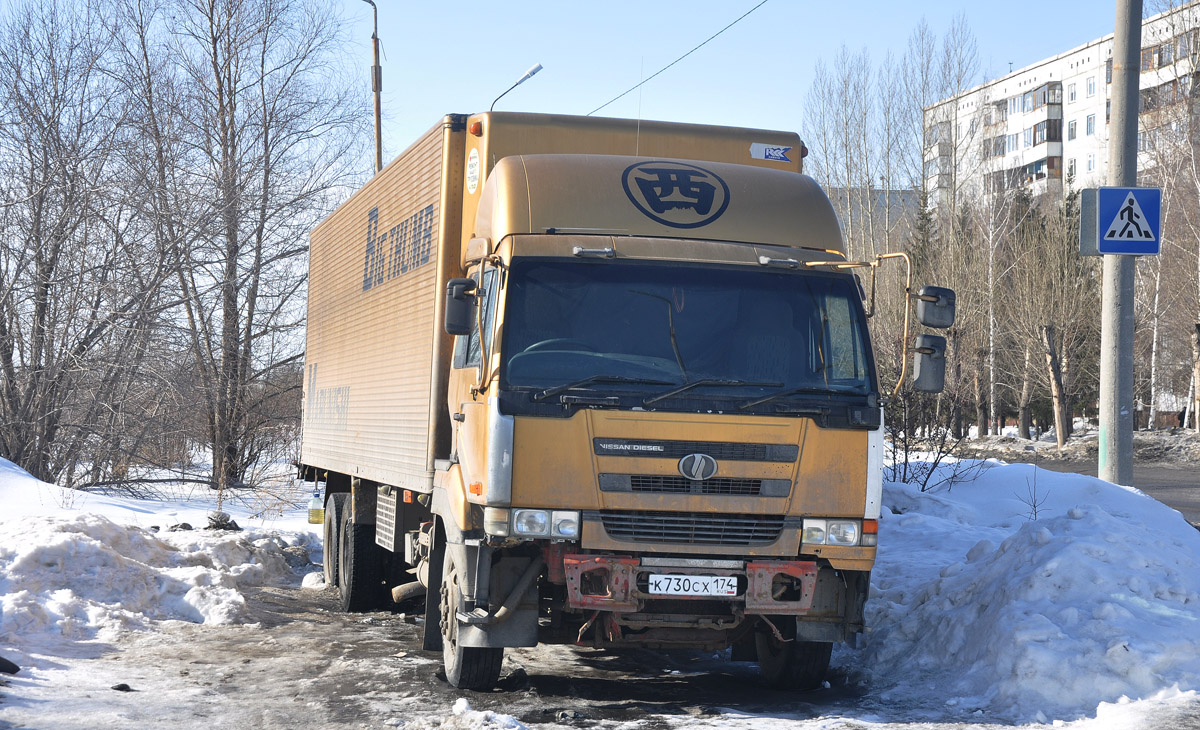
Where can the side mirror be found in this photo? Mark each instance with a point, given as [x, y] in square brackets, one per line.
[929, 363]
[460, 306]
[935, 307]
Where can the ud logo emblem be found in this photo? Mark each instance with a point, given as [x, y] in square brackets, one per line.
[676, 194]
[698, 467]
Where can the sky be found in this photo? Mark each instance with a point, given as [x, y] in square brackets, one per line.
[440, 58]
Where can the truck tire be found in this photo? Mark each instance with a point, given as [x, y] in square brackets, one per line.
[791, 665]
[466, 667]
[360, 570]
[334, 506]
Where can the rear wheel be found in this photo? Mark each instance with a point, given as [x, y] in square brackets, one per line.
[333, 535]
[791, 664]
[467, 667]
[360, 568]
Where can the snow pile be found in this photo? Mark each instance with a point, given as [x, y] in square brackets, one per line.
[1028, 594]
[464, 718]
[71, 575]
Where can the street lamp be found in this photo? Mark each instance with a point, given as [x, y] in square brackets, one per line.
[376, 86]
[528, 75]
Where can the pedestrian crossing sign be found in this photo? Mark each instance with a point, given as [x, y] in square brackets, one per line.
[1129, 221]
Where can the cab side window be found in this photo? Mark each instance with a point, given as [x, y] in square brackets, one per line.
[467, 348]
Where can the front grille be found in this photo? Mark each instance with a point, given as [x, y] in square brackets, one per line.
[692, 528]
[680, 485]
[721, 451]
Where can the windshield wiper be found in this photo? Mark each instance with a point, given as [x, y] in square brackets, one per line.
[550, 392]
[807, 389]
[711, 381]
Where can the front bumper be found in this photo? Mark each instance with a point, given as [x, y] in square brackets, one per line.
[620, 584]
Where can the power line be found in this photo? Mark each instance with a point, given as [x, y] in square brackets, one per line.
[672, 63]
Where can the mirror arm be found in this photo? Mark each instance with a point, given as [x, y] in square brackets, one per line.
[908, 296]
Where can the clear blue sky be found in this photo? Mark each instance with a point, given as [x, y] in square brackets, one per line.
[442, 57]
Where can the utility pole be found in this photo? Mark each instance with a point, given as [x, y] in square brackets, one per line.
[377, 87]
[1116, 322]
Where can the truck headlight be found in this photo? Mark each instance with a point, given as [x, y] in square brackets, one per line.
[531, 523]
[830, 532]
[559, 524]
[842, 532]
[565, 524]
[814, 532]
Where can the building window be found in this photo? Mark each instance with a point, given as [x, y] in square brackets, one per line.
[1091, 124]
[1071, 130]
[1029, 137]
[1071, 170]
[1012, 143]
[1070, 93]
[1108, 71]
[1047, 131]
[1091, 163]
[1166, 53]
[1148, 59]
[1091, 86]
[1014, 105]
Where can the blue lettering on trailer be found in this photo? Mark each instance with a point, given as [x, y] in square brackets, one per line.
[403, 248]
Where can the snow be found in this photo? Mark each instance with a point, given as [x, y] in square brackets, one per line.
[1025, 592]
[78, 567]
[1016, 596]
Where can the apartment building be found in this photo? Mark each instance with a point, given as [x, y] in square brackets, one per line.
[1045, 127]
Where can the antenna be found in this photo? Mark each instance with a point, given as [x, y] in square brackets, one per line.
[637, 138]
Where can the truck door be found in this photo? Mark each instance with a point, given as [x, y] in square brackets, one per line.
[468, 405]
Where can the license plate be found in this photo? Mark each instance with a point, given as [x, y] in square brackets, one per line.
[693, 585]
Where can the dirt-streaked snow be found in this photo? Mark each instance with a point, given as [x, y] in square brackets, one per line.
[1019, 597]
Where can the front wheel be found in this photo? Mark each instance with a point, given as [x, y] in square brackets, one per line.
[791, 664]
[467, 667]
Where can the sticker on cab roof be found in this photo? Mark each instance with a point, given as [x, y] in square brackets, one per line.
[772, 152]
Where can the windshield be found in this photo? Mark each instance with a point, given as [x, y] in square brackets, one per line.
[655, 327]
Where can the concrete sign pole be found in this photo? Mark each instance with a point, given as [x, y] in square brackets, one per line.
[1116, 323]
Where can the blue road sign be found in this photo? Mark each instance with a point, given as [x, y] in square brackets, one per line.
[1129, 221]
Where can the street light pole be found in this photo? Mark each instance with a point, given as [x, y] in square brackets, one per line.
[1116, 321]
[376, 86]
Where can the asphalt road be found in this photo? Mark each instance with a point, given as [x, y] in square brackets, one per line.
[1174, 486]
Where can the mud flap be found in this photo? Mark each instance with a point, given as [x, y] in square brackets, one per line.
[432, 640]
[518, 628]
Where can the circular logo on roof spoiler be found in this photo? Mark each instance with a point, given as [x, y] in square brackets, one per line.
[698, 467]
[676, 194]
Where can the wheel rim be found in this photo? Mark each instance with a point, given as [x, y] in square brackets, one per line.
[449, 623]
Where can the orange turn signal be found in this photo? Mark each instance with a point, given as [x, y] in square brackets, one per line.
[870, 527]
[475, 488]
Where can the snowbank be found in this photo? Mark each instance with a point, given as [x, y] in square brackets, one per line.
[1028, 594]
[68, 575]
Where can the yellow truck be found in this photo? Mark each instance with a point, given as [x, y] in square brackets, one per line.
[604, 382]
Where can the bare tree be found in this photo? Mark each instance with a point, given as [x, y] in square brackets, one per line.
[265, 123]
[77, 287]
[1054, 294]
